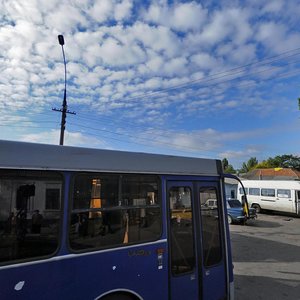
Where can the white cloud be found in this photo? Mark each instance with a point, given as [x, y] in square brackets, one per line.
[180, 16]
[160, 39]
[102, 10]
[276, 37]
[64, 18]
[123, 10]
[112, 52]
[275, 6]
[224, 24]
[71, 139]
[204, 61]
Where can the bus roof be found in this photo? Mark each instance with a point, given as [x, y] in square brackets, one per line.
[21, 155]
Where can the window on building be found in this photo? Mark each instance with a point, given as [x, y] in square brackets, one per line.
[52, 198]
[114, 210]
[27, 231]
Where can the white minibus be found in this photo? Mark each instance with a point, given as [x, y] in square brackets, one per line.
[276, 195]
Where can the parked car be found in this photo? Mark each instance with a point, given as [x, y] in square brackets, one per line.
[235, 212]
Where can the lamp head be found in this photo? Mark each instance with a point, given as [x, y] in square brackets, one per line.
[61, 40]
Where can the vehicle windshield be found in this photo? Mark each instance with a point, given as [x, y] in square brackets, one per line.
[234, 203]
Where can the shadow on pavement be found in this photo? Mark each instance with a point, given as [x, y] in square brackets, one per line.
[251, 249]
[265, 288]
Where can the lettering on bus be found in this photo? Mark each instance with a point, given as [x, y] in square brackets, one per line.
[141, 252]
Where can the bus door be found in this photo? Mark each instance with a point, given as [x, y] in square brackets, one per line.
[197, 259]
[184, 277]
[212, 237]
[297, 199]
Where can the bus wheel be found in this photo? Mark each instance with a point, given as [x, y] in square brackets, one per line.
[257, 208]
[229, 218]
[118, 296]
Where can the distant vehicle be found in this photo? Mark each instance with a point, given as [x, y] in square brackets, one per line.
[275, 195]
[236, 213]
[211, 203]
[79, 223]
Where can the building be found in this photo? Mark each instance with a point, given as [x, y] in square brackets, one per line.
[272, 174]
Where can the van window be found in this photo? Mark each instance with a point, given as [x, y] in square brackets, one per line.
[254, 191]
[242, 191]
[268, 192]
[283, 193]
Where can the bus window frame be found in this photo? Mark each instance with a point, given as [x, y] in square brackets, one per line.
[61, 229]
[73, 176]
[220, 218]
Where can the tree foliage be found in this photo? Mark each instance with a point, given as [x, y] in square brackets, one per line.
[249, 165]
[227, 167]
[279, 161]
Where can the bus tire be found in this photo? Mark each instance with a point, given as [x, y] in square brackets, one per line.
[257, 208]
[119, 296]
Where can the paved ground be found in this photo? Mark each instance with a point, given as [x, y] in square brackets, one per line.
[266, 258]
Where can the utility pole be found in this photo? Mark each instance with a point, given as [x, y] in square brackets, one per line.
[64, 110]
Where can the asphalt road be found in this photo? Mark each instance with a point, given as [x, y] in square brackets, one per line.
[266, 258]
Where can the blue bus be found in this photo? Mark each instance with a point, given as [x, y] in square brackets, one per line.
[79, 223]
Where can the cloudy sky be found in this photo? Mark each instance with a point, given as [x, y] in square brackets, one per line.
[195, 78]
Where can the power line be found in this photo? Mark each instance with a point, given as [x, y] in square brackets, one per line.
[213, 77]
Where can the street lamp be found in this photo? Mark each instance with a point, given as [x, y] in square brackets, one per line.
[64, 110]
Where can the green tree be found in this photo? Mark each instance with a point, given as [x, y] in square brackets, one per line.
[249, 165]
[227, 167]
[279, 161]
[284, 161]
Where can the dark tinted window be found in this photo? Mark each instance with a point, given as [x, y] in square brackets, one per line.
[254, 191]
[114, 210]
[234, 203]
[282, 193]
[268, 192]
[210, 217]
[27, 228]
[242, 191]
[181, 230]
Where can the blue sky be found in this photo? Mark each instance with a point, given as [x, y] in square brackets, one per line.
[194, 78]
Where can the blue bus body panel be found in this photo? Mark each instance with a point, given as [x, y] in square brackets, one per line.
[136, 269]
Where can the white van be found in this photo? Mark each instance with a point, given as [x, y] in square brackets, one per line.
[277, 195]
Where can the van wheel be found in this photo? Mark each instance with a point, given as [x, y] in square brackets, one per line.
[229, 218]
[257, 208]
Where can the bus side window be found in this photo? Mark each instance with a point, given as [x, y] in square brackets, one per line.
[29, 214]
[110, 210]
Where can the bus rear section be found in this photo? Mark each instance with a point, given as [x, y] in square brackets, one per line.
[104, 234]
